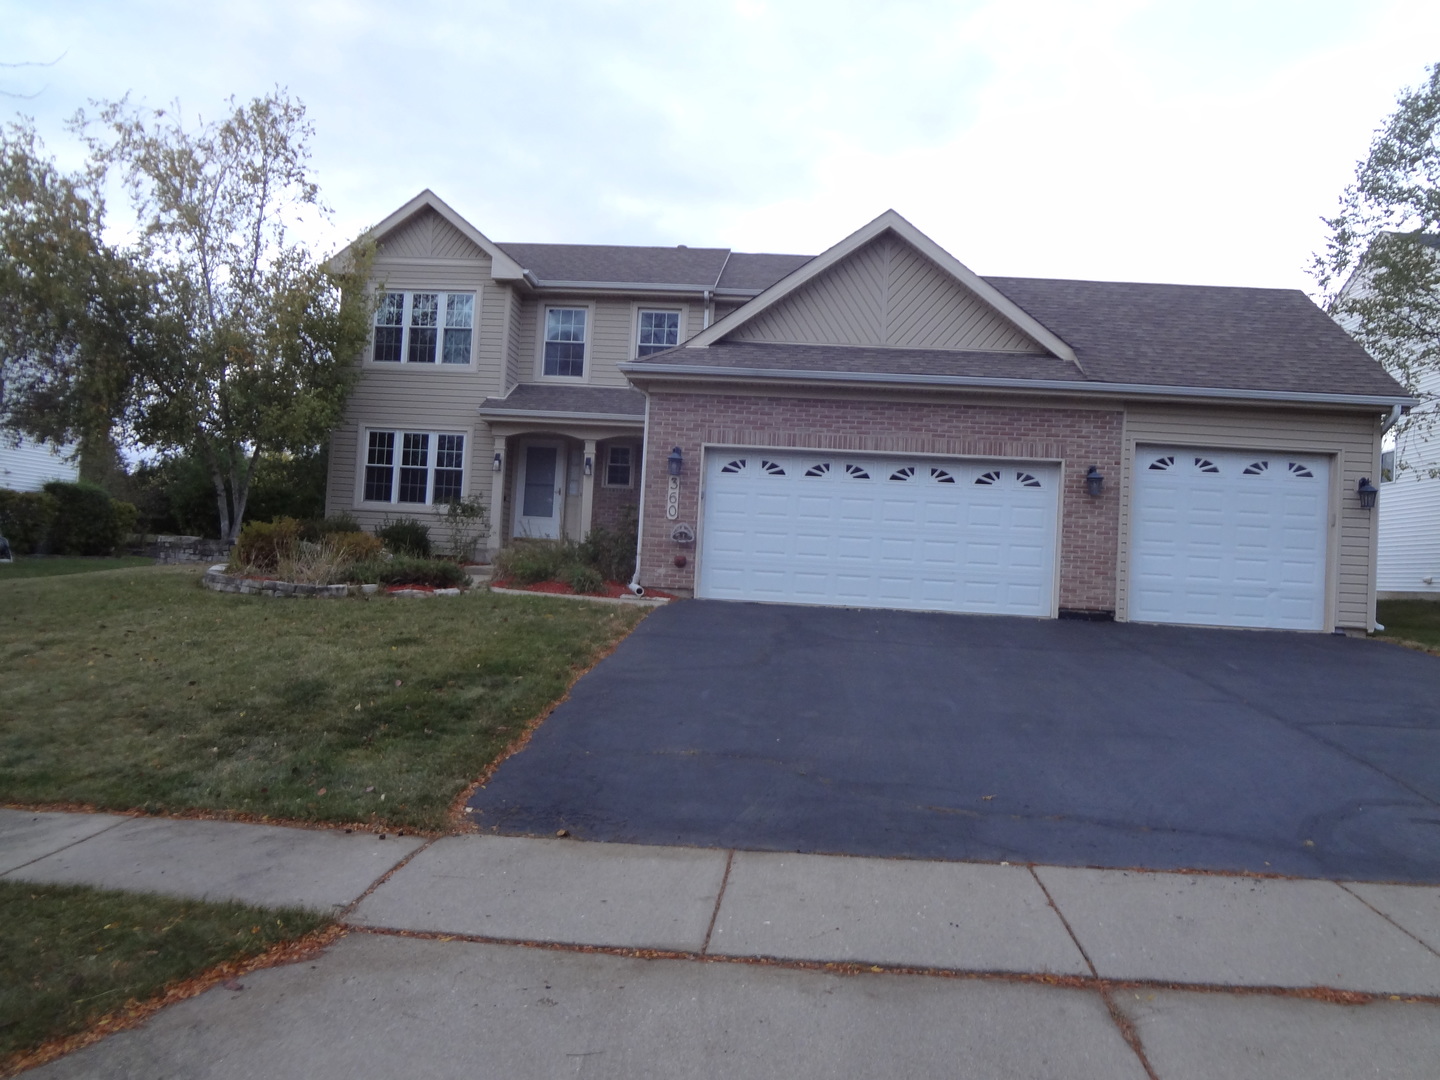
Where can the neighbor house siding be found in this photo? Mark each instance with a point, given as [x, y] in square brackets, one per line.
[1409, 506]
[887, 293]
[26, 465]
[1074, 437]
[1352, 439]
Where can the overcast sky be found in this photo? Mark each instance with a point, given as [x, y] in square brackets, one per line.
[1167, 141]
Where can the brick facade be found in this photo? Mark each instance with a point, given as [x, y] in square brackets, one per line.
[610, 507]
[1078, 437]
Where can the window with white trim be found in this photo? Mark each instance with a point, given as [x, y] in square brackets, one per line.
[421, 467]
[658, 331]
[424, 328]
[565, 341]
[620, 466]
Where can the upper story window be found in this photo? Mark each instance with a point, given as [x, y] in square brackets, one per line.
[659, 330]
[565, 341]
[424, 328]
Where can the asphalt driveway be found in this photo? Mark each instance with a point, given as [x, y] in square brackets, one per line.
[782, 728]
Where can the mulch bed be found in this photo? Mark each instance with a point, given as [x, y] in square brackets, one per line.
[613, 589]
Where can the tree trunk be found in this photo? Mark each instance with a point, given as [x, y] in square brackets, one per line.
[222, 501]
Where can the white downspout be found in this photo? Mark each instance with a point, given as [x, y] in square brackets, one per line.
[635, 587]
[1396, 412]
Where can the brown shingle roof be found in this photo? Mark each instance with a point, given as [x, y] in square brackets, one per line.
[698, 268]
[568, 401]
[1272, 340]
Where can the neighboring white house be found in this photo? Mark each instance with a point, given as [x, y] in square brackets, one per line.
[1408, 546]
[1408, 559]
[27, 465]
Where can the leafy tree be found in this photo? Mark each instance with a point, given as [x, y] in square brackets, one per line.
[1380, 272]
[74, 311]
[255, 341]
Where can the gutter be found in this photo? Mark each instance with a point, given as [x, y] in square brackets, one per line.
[638, 286]
[1396, 412]
[868, 378]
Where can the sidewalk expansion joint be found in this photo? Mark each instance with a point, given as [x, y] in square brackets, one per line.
[1419, 941]
[715, 912]
[386, 876]
[66, 847]
[1328, 995]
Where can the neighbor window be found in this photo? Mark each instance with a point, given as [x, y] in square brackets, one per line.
[424, 328]
[659, 330]
[430, 467]
[565, 341]
[619, 466]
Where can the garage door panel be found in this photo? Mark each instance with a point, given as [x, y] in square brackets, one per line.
[1229, 538]
[838, 529]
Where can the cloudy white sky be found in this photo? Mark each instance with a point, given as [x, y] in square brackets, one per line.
[1117, 139]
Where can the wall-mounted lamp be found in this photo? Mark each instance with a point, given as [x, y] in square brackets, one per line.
[676, 460]
[1094, 482]
[1367, 491]
[497, 463]
[589, 465]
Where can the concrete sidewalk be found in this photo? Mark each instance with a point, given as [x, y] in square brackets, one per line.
[1122, 945]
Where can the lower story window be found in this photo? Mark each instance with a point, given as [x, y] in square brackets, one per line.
[619, 466]
[431, 467]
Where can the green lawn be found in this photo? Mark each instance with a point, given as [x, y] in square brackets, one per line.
[70, 954]
[138, 689]
[1416, 621]
[26, 566]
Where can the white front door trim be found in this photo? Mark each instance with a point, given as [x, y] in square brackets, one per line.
[536, 524]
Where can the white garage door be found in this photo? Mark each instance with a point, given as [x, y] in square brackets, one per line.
[928, 534]
[1227, 538]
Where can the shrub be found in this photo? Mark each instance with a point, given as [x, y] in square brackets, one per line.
[612, 552]
[466, 521]
[353, 546]
[262, 544]
[316, 529]
[582, 578]
[529, 561]
[439, 573]
[25, 519]
[126, 515]
[405, 536]
[86, 521]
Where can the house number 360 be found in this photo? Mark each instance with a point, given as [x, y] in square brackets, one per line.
[672, 498]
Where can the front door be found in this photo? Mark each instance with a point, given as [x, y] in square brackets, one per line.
[539, 491]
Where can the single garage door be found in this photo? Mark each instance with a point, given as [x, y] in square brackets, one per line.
[927, 534]
[1227, 538]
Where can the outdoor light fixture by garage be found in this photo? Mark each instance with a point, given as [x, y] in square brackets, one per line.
[1094, 482]
[497, 463]
[1368, 491]
[675, 460]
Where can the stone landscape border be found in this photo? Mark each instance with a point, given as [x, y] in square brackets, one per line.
[217, 580]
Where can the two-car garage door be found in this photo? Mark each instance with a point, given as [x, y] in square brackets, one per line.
[929, 534]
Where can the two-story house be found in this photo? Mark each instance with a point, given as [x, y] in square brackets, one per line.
[878, 426]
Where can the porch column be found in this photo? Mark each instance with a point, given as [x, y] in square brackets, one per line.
[587, 489]
[497, 498]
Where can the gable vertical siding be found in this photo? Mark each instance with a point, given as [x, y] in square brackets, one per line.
[887, 293]
[1352, 440]
[429, 236]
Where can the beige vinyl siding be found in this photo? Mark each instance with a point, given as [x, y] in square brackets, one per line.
[426, 253]
[610, 335]
[887, 293]
[695, 323]
[1352, 440]
[429, 236]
